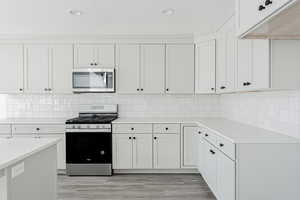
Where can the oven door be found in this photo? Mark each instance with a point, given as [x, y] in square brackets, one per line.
[93, 80]
[89, 147]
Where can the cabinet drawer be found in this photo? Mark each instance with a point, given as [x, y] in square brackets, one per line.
[226, 146]
[132, 128]
[209, 136]
[166, 128]
[5, 129]
[38, 128]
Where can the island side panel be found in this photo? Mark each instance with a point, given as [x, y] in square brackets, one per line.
[3, 185]
[268, 171]
[39, 179]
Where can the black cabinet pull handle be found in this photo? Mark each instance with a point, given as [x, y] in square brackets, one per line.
[199, 132]
[244, 84]
[221, 145]
[268, 2]
[212, 89]
[138, 89]
[37, 129]
[206, 135]
[222, 87]
[142, 89]
[261, 7]
[248, 83]
[132, 129]
[129, 138]
[212, 152]
[167, 89]
[155, 138]
[21, 89]
[167, 128]
[134, 138]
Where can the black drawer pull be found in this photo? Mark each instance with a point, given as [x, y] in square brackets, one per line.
[212, 152]
[268, 2]
[155, 138]
[199, 132]
[132, 129]
[37, 129]
[221, 145]
[129, 138]
[167, 128]
[206, 135]
[134, 138]
[261, 7]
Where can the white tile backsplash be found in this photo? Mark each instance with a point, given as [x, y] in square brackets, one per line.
[65, 106]
[278, 110]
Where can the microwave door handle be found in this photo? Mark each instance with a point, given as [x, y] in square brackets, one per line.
[105, 78]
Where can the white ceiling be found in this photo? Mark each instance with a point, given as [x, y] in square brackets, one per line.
[113, 16]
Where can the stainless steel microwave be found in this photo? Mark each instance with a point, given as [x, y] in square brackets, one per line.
[93, 80]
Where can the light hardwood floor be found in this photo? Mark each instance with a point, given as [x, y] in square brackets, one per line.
[134, 187]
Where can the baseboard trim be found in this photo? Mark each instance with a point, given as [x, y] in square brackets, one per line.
[155, 171]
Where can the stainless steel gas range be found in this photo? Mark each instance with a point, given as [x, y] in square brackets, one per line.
[89, 141]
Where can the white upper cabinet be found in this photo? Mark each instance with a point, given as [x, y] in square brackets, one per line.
[254, 18]
[152, 69]
[128, 68]
[37, 67]
[205, 67]
[94, 56]
[61, 68]
[11, 65]
[48, 68]
[180, 69]
[253, 68]
[226, 58]
[140, 69]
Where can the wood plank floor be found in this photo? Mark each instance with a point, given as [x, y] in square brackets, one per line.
[134, 187]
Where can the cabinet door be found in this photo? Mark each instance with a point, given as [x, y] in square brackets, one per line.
[210, 166]
[166, 151]
[260, 65]
[180, 69]
[200, 154]
[61, 68]
[84, 56]
[105, 56]
[248, 14]
[128, 69]
[189, 147]
[230, 60]
[142, 151]
[205, 80]
[225, 177]
[152, 69]
[11, 65]
[37, 68]
[221, 63]
[122, 151]
[244, 63]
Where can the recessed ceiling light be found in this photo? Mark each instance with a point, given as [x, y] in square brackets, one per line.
[75, 12]
[168, 11]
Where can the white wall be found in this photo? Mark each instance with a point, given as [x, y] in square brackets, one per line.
[66, 106]
[278, 111]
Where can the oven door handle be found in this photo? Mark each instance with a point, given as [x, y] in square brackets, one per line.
[88, 130]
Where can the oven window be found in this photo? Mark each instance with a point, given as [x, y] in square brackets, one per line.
[86, 147]
[92, 79]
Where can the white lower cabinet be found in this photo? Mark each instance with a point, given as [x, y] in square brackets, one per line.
[142, 151]
[189, 147]
[132, 151]
[122, 151]
[210, 166]
[166, 149]
[225, 177]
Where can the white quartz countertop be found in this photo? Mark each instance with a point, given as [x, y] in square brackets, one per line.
[33, 121]
[14, 150]
[231, 130]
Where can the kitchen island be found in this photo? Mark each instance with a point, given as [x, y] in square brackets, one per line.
[28, 168]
